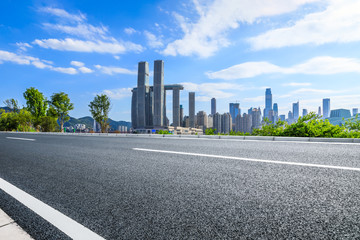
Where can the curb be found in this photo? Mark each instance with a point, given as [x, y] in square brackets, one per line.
[10, 230]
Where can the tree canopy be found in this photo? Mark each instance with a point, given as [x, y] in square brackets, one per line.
[60, 106]
[99, 109]
[36, 104]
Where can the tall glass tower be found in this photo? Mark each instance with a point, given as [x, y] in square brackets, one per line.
[326, 107]
[296, 110]
[268, 102]
[213, 106]
[234, 109]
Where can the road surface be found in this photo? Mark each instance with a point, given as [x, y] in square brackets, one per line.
[176, 188]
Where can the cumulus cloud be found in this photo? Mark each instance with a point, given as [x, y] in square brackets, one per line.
[129, 31]
[76, 45]
[339, 22]
[118, 93]
[85, 70]
[77, 63]
[36, 62]
[152, 40]
[209, 33]
[206, 91]
[115, 70]
[296, 84]
[323, 65]
[89, 38]
[23, 46]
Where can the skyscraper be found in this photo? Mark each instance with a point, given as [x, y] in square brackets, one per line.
[319, 111]
[181, 115]
[256, 118]
[226, 123]
[304, 112]
[234, 109]
[217, 122]
[296, 111]
[158, 93]
[355, 111]
[326, 107]
[213, 106]
[142, 90]
[192, 109]
[276, 112]
[268, 102]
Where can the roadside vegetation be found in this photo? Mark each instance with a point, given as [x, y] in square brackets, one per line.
[308, 126]
[39, 114]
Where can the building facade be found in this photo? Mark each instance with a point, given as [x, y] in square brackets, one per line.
[326, 107]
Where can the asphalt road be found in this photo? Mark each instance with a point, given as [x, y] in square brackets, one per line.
[122, 193]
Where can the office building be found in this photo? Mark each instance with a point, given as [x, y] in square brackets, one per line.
[304, 112]
[192, 109]
[202, 120]
[213, 106]
[268, 102]
[319, 111]
[355, 111]
[282, 117]
[181, 115]
[148, 103]
[226, 123]
[217, 122]
[210, 121]
[243, 123]
[234, 109]
[290, 117]
[326, 107]
[256, 118]
[296, 111]
[340, 113]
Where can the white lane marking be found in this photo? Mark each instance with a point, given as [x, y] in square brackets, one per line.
[24, 139]
[251, 159]
[71, 228]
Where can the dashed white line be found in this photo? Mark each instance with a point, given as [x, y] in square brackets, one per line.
[24, 139]
[71, 228]
[252, 159]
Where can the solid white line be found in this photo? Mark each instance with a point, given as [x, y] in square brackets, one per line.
[24, 139]
[251, 159]
[71, 228]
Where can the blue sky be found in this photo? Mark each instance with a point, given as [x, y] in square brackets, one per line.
[232, 50]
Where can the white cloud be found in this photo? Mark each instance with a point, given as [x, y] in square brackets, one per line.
[339, 22]
[69, 70]
[84, 30]
[206, 91]
[61, 13]
[296, 84]
[118, 93]
[75, 45]
[115, 70]
[77, 63]
[85, 70]
[319, 66]
[116, 57]
[23, 46]
[129, 31]
[152, 40]
[206, 35]
[255, 99]
[36, 62]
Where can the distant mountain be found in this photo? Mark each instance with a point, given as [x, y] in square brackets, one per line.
[6, 109]
[89, 122]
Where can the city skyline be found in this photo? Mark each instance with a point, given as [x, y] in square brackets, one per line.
[88, 49]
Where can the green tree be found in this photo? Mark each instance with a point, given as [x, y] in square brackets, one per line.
[353, 124]
[60, 106]
[99, 109]
[48, 124]
[8, 121]
[12, 104]
[24, 120]
[36, 104]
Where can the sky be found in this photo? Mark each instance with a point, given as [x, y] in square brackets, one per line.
[304, 50]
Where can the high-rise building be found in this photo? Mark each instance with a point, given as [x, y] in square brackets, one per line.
[142, 92]
[181, 115]
[250, 110]
[296, 110]
[355, 111]
[340, 113]
[217, 122]
[276, 109]
[226, 123]
[290, 116]
[256, 118]
[282, 117]
[304, 112]
[210, 121]
[202, 120]
[319, 111]
[243, 123]
[213, 106]
[268, 102]
[234, 109]
[192, 109]
[159, 93]
[326, 107]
